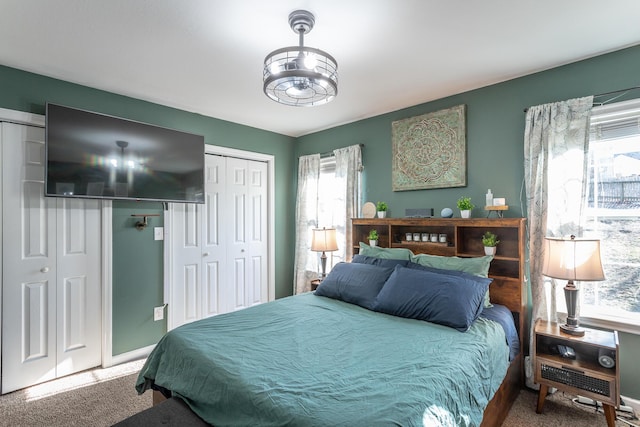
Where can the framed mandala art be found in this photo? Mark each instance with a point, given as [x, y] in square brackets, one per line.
[430, 151]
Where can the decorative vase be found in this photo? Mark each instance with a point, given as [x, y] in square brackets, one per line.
[382, 214]
[465, 213]
[490, 250]
[373, 243]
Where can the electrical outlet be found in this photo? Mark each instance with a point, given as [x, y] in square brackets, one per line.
[158, 313]
[158, 233]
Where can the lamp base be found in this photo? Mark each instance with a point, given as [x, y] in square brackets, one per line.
[572, 330]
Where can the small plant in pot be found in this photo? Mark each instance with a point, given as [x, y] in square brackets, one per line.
[465, 206]
[490, 241]
[373, 238]
[381, 207]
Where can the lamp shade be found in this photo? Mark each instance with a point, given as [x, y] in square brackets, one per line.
[572, 259]
[324, 239]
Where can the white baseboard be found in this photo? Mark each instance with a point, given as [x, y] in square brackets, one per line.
[130, 356]
[635, 404]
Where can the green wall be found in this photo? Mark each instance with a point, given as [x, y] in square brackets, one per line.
[495, 148]
[137, 263]
[137, 277]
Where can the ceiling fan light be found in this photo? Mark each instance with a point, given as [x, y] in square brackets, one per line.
[298, 75]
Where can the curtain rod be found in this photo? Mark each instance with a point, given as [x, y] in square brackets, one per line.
[607, 93]
[617, 91]
[330, 153]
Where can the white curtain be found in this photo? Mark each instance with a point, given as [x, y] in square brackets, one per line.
[306, 220]
[556, 146]
[343, 204]
[348, 173]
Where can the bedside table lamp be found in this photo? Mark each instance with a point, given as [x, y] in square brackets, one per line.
[324, 240]
[572, 259]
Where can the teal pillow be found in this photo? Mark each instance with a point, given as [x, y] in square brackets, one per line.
[385, 253]
[478, 266]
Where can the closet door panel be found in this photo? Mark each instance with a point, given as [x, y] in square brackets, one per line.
[79, 291]
[29, 261]
[258, 242]
[185, 270]
[215, 232]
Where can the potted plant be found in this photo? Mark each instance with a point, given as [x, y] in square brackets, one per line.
[465, 206]
[373, 238]
[382, 207]
[490, 241]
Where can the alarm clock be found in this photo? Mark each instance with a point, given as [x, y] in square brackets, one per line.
[606, 358]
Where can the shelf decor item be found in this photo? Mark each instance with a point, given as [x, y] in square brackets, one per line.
[373, 238]
[446, 213]
[572, 259]
[324, 240]
[465, 206]
[381, 208]
[490, 242]
[368, 210]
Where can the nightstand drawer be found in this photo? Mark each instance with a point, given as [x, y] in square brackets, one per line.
[580, 381]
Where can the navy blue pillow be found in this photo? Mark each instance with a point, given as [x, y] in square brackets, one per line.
[354, 283]
[487, 300]
[449, 300]
[381, 262]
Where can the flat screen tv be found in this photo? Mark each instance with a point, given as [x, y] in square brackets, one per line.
[93, 155]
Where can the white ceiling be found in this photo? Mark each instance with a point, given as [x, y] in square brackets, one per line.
[206, 56]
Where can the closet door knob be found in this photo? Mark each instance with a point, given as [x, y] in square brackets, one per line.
[206, 254]
[44, 270]
[241, 250]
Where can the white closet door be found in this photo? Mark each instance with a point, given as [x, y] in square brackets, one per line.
[186, 260]
[197, 251]
[246, 209]
[51, 285]
[219, 250]
[258, 291]
[78, 279]
[214, 236]
[29, 262]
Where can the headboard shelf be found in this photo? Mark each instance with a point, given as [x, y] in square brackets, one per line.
[464, 239]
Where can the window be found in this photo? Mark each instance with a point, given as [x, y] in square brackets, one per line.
[613, 214]
[331, 195]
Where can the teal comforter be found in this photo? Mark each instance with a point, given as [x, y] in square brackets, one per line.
[313, 361]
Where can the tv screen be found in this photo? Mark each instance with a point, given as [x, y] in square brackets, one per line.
[93, 155]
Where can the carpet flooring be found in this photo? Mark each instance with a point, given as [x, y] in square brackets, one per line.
[103, 397]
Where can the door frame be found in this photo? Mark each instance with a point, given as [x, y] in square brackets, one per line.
[246, 155]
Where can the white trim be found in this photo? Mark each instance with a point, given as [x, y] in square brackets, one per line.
[611, 323]
[168, 268]
[130, 356]
[271, 224]
[22, 118]
[107, 284]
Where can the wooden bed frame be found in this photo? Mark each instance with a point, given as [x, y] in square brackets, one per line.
[499, 406]
[505, 291]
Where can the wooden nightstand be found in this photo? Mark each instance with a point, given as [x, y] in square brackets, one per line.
[315, 283]
[583, 375]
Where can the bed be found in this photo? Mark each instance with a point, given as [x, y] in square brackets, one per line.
[347, 355]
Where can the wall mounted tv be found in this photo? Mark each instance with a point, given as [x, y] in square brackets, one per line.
[93, 155]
